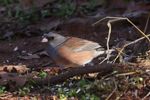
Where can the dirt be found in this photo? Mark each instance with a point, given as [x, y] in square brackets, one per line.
[29, 45]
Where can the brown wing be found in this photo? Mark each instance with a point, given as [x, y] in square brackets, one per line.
[78, 44]
[78, 58]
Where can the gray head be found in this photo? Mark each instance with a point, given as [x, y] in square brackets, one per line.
[55, 39]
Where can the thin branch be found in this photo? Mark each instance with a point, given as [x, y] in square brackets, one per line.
[103, 68]
[125, 74]
[133, 42]
[109, 33]
[144, 98]
[147, 21]
[115, 89]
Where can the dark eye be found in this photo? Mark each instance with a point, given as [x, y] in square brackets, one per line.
[50, 38]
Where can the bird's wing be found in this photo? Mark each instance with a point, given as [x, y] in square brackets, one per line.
[78, 44]
[78, 58]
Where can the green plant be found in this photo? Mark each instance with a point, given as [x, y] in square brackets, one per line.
[83, 83]
[7, 2]
[72, 92]
[42, 74]
[64, 9]
[136, 81]
[62, 97]
[88, 96]
[91, 4]
[64, 92]
[28, 17]
[2, 89]
[45, 13]
[24, 91]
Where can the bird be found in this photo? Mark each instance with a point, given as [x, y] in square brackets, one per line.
[72, 51]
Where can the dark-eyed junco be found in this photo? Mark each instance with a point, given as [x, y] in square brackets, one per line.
[72, 51]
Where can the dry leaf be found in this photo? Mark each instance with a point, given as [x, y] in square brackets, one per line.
[52, 70]
[144, 63]
[15, 68]
[12, 79]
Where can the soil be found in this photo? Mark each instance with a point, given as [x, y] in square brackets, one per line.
[29, 45]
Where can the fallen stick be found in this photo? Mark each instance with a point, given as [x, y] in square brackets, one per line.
[102, 68]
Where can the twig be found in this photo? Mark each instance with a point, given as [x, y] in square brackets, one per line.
[133, 42]
[147, 21]
[109, 33]
[112, 91]
[124, 18]
[103, 68]
[118, 98]
[125, 74]
[108, 17]
[148, 94]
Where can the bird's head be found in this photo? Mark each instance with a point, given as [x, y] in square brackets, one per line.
[54, 39]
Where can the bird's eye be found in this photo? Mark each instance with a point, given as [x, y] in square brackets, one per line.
[50, 38]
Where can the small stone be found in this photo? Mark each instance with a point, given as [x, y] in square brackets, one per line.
[16, 49]
[44, 40]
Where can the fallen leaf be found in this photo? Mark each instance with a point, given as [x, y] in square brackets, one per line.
[15, 68]
[5, 96]
[52, 70]
[12, 79]
[144, 63]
